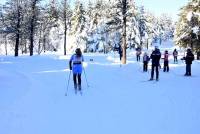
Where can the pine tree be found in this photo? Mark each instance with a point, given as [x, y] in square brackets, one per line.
[78, 23]
[13, 21]
[33, 24]
[48, 25]
[78, 19]
[150, 28]
[142, 25]
[3, 31]
[187, 28]
[65, 17]
[166, 26]
[53, 9]
[121, 12]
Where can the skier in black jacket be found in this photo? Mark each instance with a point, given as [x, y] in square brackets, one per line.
[155, 56]
[120, 52]
[188, 60]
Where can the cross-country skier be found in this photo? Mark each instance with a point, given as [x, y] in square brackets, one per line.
[175, 54]
[75, 64]
[146, 59]
[138, 53]
[155, 56]
[120, 52]
[166, 62]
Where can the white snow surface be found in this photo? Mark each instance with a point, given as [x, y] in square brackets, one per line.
[119, 100]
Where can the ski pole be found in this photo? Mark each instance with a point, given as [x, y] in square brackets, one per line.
[86, 78]
[68, 83]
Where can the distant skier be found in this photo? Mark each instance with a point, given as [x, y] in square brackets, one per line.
[188, 60]
[175, 54]
[166, 62]
[75, 64]
[138, 53]
[155, 56]
[146, 59]
[198, 52]
[120, 52]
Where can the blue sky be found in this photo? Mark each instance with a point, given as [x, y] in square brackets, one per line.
[163, 6]
[159, 6]
[2, 1]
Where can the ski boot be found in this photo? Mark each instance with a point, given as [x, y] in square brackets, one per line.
[75, 88]
[150, 79]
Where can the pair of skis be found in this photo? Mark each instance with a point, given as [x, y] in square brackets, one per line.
[75, 88]
[80, 91]
[76, 92]
[151, 80]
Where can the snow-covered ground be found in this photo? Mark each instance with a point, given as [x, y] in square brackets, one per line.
[120, 100]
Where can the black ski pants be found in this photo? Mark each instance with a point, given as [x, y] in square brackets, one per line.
[166, 66]
[75, 78]
[145, 66]
[157, 71]
[138, 57]
[175, 59]
[188, 69]
[120, 56]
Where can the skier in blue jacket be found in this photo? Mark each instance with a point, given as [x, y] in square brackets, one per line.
[75, 64]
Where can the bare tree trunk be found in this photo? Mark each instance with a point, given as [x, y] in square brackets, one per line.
[44, 43]
[65, 19]
[124, 46]
[21, 46]
[17, 44]
[32, 26]
[18, 31]
[6, 45]
[192, 46]
[25, 47]
[39, 43]
[104, 48]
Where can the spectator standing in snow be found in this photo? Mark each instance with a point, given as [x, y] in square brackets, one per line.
[166, 61]
[198, 54]
[145, 62]
[120, 52]
[188, 60]
[155, 56]
[75, 64]
[138, 53]
[175, 54]
[119, 49]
